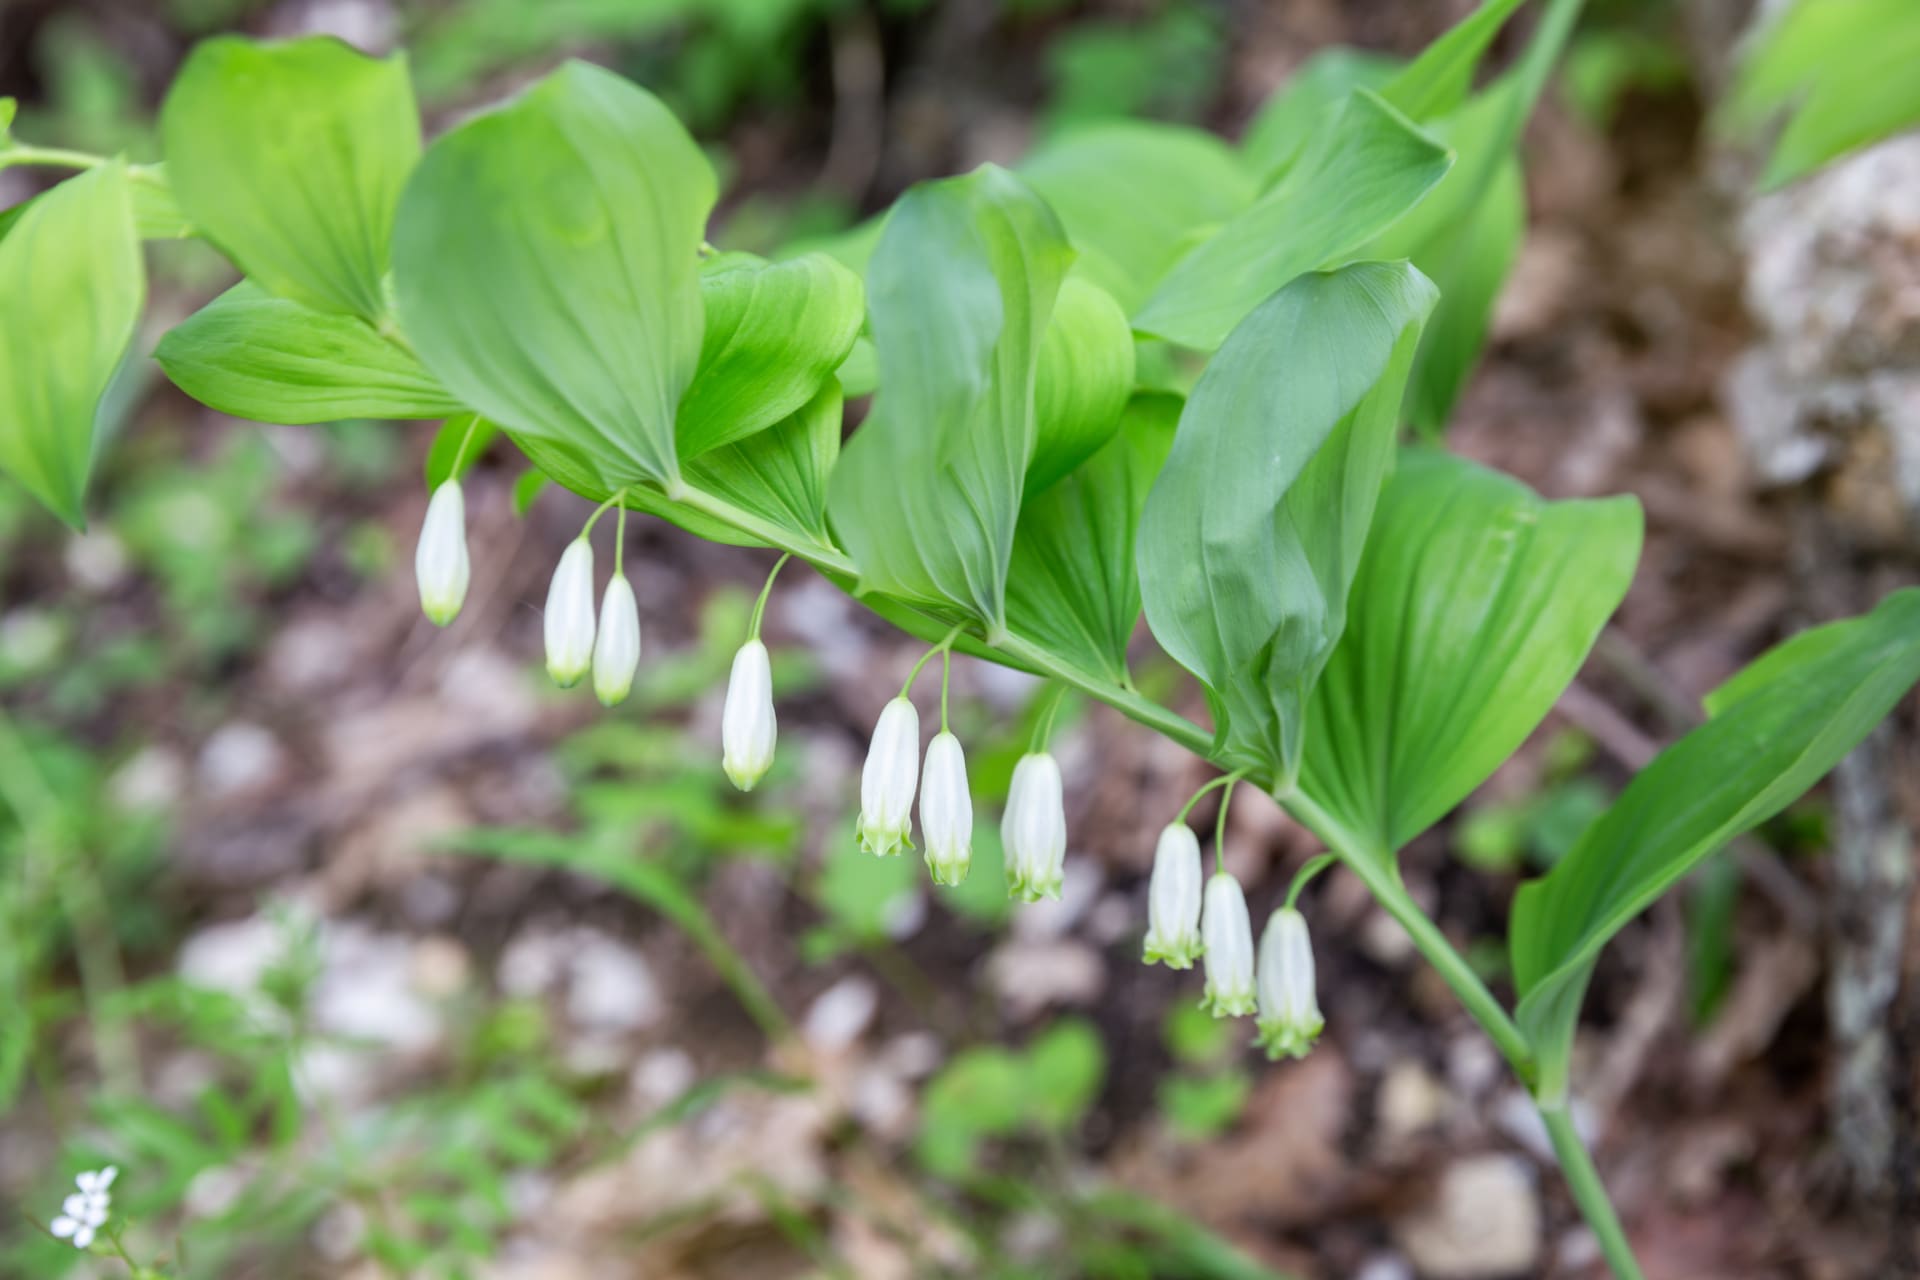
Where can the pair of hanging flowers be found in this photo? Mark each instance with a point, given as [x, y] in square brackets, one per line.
[1187, 920]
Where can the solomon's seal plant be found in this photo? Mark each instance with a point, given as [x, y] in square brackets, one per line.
[1146, 373]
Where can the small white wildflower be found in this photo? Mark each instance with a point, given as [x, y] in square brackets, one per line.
[569, 618]
[1034, 829]
[1173, 899]
[440, 560]
[747, 722]
[616, 648]
[1289, 1014]
[946, 811]
[84, 1212]
[1228, 936]
[887, 780]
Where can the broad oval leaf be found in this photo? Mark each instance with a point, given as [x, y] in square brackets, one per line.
[1476, 603]
[256, 356]
[775, 331]
[960, 290]
[290, 156]
[1072, 586]
[1081, 383]
[71, 283]
[1254, 528]
[1368, 165]
[1777, 728]
[1134, 196]
[546, 261]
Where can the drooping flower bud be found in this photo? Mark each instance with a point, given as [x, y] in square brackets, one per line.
[887, 780]
[616, 648]
[569, 619]
[946, 811]
[746, 723]
[1173, 899]
[1228, 935]
[440, 560]
[1289, 1014]
[1034, 829]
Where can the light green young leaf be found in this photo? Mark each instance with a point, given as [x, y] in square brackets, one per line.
[960, 291]
[1368, 166]
[1442, 76]
[71, 285]
[546, 261]
[1253, 531]
[1777, 728]
[1081, 382]
[256, 356]
[1476, 603]
[1284, 125]
[1134, 196]
[290, 156]
[775, 332]
[1072, 586]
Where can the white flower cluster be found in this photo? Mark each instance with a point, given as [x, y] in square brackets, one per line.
[1185, 922]
[1186, 919]
[84, 1212]
[1033, 829]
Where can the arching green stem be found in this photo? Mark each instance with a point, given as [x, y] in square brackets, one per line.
[760, 605]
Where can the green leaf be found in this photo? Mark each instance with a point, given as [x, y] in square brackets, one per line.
[1777, 728]
[1367, 167]
[1442, 76]
[1254, 528]
[71, 283]
[1081, 382]
[1843, 71]
[290, 156]
[546, 262]
[1284, 125]
[8, 107]
[1072, 586]
[458, 444]
[1134, 196]
[526, 489]
[1465, 238]
[1064, 1068]
[256, 356]
[1476, 603]
[960, 291]
[781, 473]
[775, 332]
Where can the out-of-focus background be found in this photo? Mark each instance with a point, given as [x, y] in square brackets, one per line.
[365, 953]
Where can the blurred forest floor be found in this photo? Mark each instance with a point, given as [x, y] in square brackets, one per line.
[307, 785]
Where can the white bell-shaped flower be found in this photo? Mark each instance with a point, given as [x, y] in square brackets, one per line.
[616, 647]
[887, 780]
[1173, 899]
[1034, 829]
[1228, 936]
[746, 723]
[1289, 1014]
[569, 618]
[440, 559]
[946, 810]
